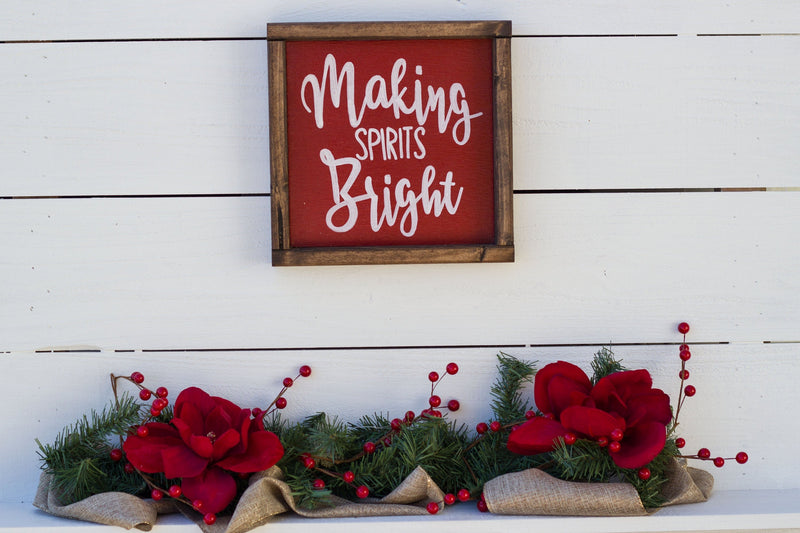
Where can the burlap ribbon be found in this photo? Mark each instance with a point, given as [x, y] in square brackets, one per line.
[266, 496]
[534, 492]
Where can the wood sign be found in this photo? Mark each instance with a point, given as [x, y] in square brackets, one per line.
[390, 142]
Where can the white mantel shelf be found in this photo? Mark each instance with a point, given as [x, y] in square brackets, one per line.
[762, 510]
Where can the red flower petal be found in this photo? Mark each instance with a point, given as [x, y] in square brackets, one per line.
[214, 487]
[650, 406]
[180, 461]
[264, 450]
[145, 452]
[563, 392]
[233, 411]
[224, 443]
[202, 445]
[537, 435]
[196, 397]
[640, 445]
[218, 421]
[543, 377]
[590, 421]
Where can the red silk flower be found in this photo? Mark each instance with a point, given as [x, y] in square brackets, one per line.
[207, 439]
[623, 403]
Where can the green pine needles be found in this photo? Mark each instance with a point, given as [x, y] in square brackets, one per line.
[79, 459]
[325, 456]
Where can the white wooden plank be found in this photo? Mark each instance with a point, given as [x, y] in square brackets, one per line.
[656, 113]
[51, 19]
[127, 118]
[191, 117]
[195, 273]
[738, 387]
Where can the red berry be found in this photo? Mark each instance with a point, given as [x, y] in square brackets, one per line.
[614, 446]
[257, 412]
[143, 431]
[432, 507]
[495, 426]
[387, 441]
[452, 368]
[162, 392]
[318, 484]
[689, 390]
[616, 434]
[449, 498]
[683, 328]
[433, 377]
[280, 403]
[288, 382]
[129, 468]
[409, 416]
[160, 403]
[683, 374]
[703, 453]
[362, 491]
[570, 438]
[175, 491]
[680, 442]
[435, 413]
[305, 371]
[145, 394]
[396, 424]
[463, 495]
[602, 441]
[644, 473]
[369, 447]
[741, 458]
[549, 416]
[435, 401]
[453, 405]
[349, 476]
[309, 463]
[210, 518]
[156, 494]
[719, 462]
[529, 415]
[482, 428]
[685, 355]
[137, 377]
[482, 507]
[198, 505]
[683, 347]
[155, 412]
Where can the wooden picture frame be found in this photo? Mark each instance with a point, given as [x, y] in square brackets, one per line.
[415, 215]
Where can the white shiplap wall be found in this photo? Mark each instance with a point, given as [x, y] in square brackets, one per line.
[134, 225]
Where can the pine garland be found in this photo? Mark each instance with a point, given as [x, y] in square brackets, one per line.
[79, 459]
[455, 457]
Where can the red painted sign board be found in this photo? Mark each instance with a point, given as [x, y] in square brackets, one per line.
[386, 144]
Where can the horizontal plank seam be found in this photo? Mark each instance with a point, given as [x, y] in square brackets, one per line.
[395, 347]
[517, 36]
[643, 190]
[384, 348]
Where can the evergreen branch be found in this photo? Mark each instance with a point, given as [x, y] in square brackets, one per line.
[79, 458]
[604, 364]
[507, 403]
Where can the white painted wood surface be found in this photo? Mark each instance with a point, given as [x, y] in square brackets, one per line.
[147, 133]
[122, 118]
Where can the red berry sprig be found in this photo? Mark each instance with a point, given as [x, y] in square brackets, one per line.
[280, 402]
[686, 391]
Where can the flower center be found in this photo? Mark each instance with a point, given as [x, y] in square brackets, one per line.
[211, 435]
